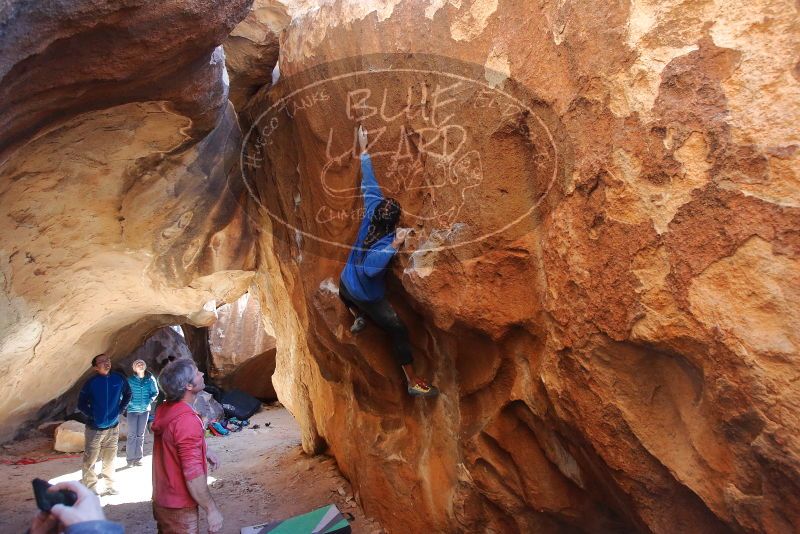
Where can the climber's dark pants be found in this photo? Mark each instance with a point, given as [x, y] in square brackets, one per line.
[382, 314]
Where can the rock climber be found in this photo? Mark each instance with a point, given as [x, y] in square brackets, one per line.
[361, 286]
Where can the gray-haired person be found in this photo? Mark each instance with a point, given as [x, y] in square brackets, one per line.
[180, 454]
[143, 391]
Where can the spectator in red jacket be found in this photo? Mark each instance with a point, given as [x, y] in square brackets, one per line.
[180, 454]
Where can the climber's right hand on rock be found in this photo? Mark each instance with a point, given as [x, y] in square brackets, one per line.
[362, 138]
[400, 235]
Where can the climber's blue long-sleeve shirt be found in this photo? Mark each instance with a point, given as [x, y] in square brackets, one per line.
[364, 273]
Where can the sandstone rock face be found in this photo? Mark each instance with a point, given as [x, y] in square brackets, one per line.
[242, 349]
[251, 50]
[64, 59]
[157, 349]
[208, 408]
[69, 437]
[621, 358]
[120, 208]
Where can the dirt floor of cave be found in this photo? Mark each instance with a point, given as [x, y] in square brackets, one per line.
[264, 477]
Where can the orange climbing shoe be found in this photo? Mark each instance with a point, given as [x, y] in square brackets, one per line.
[422, 390]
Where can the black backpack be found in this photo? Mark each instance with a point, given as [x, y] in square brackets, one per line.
[239, 404]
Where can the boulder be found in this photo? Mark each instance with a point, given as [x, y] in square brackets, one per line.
[69, 437]
[602, 277]
[164, 343]
[254, 376]
[121, 204]
[48, 428]
[604, 268]
[62, 60]
[208, 408]
[242, 348]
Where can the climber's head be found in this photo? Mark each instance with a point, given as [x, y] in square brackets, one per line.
[383, 221]
[387, 212]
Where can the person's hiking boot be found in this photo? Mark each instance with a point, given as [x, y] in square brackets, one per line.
[358, 325]
[422, 390]
[137, 463]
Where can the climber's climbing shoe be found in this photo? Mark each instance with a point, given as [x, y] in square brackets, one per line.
[358, 325]
[422, 390]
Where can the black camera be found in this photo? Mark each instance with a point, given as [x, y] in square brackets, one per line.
[47, 499]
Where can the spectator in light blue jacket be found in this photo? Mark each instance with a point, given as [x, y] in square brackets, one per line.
[143, 390]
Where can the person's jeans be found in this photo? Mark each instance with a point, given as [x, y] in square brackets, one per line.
[137, 424]
[177, 520]
[382, 314]
[99, 444]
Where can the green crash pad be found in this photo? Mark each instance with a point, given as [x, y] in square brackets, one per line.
[325, 520]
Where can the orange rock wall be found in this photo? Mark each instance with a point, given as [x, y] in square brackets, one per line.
[625, 358]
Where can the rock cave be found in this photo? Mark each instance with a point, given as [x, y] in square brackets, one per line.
[604, 201]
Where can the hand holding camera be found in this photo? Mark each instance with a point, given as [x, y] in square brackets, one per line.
[65, 503]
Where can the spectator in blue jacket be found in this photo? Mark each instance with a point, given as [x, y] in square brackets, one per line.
[361, 286]
[143, 390]
[102, 398]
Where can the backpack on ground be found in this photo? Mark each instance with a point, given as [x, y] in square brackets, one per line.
[239, 404]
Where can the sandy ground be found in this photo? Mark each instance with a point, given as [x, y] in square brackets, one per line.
[264, 476]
